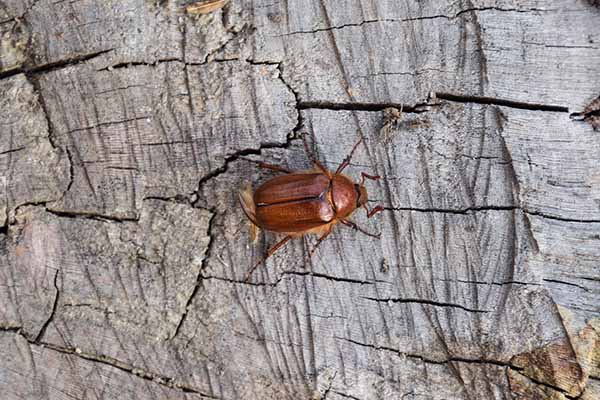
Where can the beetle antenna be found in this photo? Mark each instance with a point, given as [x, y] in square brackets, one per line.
[346, 161]
[358, 228]
[372, 177]
[265, 165]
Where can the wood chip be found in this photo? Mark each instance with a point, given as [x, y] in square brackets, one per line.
[205, 7]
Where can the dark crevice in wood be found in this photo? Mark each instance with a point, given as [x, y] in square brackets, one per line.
[79, 214]
[299, 119]
[178, 198]
[487, 282]
[345, 395]
[244, 152]
[454, 359]
[209, 57]
[355, 106]
[14, 329]
[115, 363]
[461, 211]
[470, 210]
[71, 172]
[34, 80]
[52, 313]
[265, 62]
[238, 281]
[566, 283]
[237, 155]
[52, 66]
[244, 31]
[295, 273]
[465, 98]
[424, 107]
[412, 19]
[429, 360]
[328, 277]
[337, 27]
[478, 9]
[199, 277]
[590, 278]
[109, 123]
[422, 301]
[12, 151]
[564, 219]
[26, 204]
[42, 102]
[128, 64]
[90, 215]
[117, 168]
[170, 143]
[544, 384]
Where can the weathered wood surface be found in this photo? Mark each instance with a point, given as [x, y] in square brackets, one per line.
[125, 126]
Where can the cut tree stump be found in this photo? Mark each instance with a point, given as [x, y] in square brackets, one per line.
[126, 130]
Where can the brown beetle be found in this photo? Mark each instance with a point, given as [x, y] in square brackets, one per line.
[302, 202]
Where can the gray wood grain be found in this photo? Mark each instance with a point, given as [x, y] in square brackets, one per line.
[128, 128]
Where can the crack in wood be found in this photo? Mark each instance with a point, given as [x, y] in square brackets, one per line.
[328, 277]
[559, 218]
[90, 215]
[239, 281]
[239, 155]
[110, 123]
[460, 211]
[566, 283]
[359, 106]
[422, 301]
[486, 282]
[169, 382]
[12, 150]
[427, 360]
[544, 384]
[454, 359]
[466, 98]
[42, 331]
[412, 19]
[345, 395]
[54, 65]
[199, 277]
[299, 119]
[471, 210]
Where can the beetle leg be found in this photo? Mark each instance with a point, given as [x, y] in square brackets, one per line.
[373, 211]
[270, 252]
[323, 236]
[358, 228]
[346, 161]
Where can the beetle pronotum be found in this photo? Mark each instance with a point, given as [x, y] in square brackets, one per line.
[302, 202]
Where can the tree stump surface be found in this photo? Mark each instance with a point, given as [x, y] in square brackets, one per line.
[127, 128]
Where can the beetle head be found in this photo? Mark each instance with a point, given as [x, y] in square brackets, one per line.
[362, 196]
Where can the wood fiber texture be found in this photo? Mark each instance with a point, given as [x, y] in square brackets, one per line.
[127, 128]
